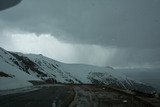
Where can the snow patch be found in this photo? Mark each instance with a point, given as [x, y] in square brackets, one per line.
[12, 83]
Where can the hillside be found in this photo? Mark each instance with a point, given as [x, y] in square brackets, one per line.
[19, 70]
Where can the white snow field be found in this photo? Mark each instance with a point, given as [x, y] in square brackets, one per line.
[17, 70]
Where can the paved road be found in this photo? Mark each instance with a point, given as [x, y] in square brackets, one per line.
[74, 96]
[98, 96]
[43, 97]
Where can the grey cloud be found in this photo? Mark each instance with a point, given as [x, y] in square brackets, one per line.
[136, 58]
[123, 23]
[132, 26]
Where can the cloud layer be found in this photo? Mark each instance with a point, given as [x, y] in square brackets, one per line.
[123, 23]
[78, 53]
[100, 32]
[49, 46]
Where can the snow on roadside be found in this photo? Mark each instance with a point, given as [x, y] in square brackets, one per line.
[19, 90]
[12, 83]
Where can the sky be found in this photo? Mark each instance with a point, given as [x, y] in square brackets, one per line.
[117, 33]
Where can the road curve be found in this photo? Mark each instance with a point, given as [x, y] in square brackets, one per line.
[44, 97]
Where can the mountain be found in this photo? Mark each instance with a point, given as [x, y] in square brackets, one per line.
[18, 70]
[151, 76]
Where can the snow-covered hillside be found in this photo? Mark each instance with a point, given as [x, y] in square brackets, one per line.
[25, 68]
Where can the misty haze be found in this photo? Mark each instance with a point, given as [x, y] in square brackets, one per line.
[79, 53]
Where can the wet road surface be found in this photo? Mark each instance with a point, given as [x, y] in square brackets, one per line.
[43, 97]
[76, 96]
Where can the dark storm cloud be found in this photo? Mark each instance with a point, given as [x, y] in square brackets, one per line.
[122, 23]
[136, 58]
[131, 26]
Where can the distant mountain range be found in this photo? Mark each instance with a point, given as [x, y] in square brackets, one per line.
[19, 70]
[147, 75]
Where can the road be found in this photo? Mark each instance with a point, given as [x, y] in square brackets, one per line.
[44, 97]
[76, 96]
[103, 96]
